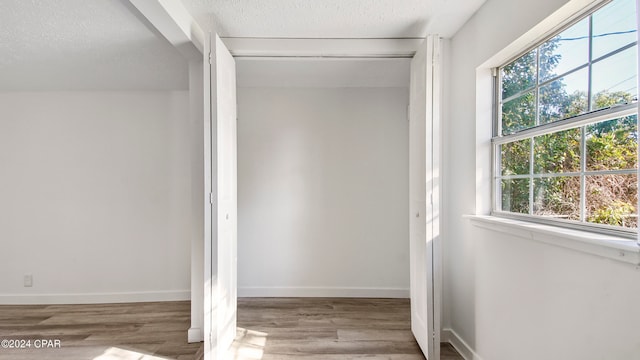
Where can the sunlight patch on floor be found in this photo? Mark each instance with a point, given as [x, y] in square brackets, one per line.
[114, 353]
[248, 345]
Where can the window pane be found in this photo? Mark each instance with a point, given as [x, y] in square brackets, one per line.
[520, 75]
[519, 113]
[583, 174]
[614, 80]
[557, 197]
[613, 144]
[515, 157]
[515, 195]
[557, 152]
[614, 26]
[564, 97]
[566, 51]
[612, 200]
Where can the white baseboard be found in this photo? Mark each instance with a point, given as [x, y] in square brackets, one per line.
[323, 292]
[195, 335]
[450, 336]
[94, 298]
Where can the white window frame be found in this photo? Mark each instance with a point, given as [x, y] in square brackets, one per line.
[579, 121]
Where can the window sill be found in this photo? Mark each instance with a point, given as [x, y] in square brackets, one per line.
[611, 247]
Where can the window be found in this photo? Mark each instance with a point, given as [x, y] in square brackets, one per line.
[565, 142]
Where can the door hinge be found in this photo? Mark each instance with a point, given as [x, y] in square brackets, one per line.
[210, 58]
[211, 198]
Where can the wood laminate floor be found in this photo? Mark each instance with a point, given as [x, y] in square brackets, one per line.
[148, 331]
[268, 329]
[327, 329]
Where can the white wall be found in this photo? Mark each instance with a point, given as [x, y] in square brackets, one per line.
[507, 297]
[95, 192]
[323, 192]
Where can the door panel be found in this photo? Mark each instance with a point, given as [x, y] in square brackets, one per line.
[227, 194]
[423, 192]
[220, 310]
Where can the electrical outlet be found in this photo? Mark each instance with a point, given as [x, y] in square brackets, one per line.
[28, 280]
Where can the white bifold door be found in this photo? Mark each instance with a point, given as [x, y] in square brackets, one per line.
[424, 192]
[221, 205]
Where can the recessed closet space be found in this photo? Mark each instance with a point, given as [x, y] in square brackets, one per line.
[323, 187]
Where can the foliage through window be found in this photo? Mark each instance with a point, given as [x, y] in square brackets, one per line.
[566, 142]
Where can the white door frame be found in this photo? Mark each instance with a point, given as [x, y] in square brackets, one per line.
[367, 49]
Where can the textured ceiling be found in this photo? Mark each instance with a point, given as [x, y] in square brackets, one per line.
[332, 18]
[107, 45]
[83, 45]
[323, 72]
